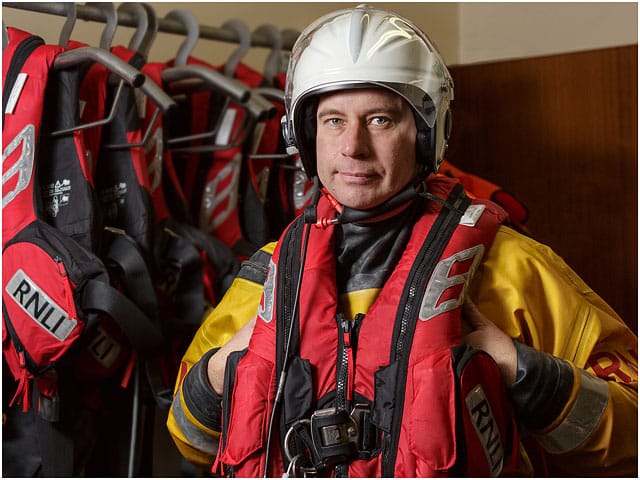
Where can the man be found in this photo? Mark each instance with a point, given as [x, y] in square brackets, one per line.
[349, 357]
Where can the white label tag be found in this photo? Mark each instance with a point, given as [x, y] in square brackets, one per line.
[224, 133]
[472, 215]
[15, 93]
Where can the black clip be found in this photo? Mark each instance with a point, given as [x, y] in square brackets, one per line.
[335, 435]
[368, 433]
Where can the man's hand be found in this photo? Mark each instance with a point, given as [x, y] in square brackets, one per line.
[218, 362]
[489, 338]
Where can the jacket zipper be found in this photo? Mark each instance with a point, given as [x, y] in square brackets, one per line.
[344, 362]
[348, 330]
[442, 234]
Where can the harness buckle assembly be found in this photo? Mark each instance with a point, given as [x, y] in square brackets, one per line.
[330, 437]
[335, 435]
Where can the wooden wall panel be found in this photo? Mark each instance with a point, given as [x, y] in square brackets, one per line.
[561, 133]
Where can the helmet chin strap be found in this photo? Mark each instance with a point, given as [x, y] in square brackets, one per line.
[346, 214]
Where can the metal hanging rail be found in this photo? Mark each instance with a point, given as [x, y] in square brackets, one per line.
[95, 14]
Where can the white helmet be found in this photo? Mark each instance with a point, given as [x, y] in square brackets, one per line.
[359, 48]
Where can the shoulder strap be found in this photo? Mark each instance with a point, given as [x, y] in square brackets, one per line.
[288, 278]
[288, 275]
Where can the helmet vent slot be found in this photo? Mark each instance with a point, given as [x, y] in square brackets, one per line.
[356, 31]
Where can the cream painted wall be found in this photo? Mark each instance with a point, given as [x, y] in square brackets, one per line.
[494, 31]
[465, 32]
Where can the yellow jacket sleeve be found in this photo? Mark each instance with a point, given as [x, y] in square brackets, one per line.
[532, 295]
[195, 438]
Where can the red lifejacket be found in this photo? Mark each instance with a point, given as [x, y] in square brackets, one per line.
[424, 420]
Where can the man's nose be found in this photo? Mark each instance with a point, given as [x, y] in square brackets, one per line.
[355, 141]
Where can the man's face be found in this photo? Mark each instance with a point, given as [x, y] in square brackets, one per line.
[365, 145]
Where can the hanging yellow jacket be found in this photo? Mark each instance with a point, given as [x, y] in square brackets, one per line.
[532, 295]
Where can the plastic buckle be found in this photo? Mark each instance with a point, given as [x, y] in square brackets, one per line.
[335, 435]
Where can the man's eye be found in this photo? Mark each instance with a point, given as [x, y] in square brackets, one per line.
[334, 122]
[379, 120]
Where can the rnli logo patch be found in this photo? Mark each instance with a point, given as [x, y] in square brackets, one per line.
[39, 306]
[486, 428]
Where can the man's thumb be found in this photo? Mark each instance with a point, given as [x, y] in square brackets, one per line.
[472, 315]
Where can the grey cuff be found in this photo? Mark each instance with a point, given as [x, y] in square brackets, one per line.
[198, 394]
[542, 388]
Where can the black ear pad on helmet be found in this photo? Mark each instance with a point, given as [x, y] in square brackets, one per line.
[425, 139]
[426, 142]
[306, 136]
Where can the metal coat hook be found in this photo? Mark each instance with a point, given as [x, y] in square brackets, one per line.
[210, 79]
[259, 107]
[126, 72]
[141, 16]
[70, 22]
[193, 34]
[109, 118]
[91, 12]
[5, 36]
[244, 35]
[145, 135]
[111, 23]
[272, 64]
[71, 58]
[271, 93]
[213, 80]
[164, 102]
[152, 30]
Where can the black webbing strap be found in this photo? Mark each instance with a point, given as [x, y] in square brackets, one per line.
[180, 253]
[136, 278]
[143, 334]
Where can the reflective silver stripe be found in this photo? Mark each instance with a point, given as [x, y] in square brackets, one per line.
[199, 439]
[582, 419]
[222, 188]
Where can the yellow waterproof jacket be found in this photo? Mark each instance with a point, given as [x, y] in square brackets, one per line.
[532, 295]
